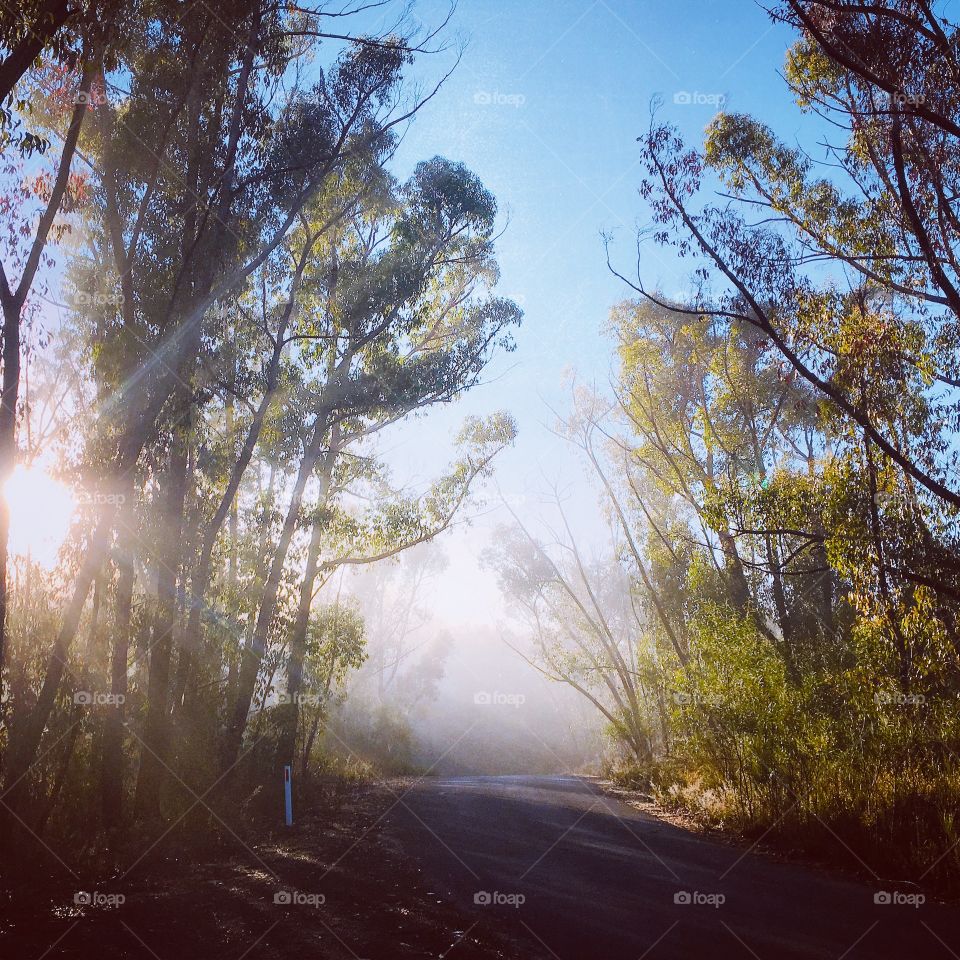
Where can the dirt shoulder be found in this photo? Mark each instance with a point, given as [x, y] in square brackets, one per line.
[333, 886]
[644, 802]
[764, 842]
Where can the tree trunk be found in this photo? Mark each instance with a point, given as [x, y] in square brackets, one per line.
[8, 449]
[27, 737]
[155, 747]
[61, 776]
[253, 652]
[111, 766]
[47, 21]
[298, 649]
[12, 302]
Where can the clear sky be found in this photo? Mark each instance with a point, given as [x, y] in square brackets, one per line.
[545, 106]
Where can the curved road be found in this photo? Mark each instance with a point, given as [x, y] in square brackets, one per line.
[579, 876]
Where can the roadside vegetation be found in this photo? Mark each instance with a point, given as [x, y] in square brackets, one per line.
[219, 304]
[247, 298]
[774, 641]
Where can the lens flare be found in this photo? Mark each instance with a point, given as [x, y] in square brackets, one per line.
[41, 510]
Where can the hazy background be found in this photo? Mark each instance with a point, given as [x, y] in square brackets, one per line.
[545, 106]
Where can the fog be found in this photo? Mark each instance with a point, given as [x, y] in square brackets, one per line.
[448, 696]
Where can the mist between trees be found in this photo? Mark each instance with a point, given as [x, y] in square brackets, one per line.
[251, 297]
[772, 637]
[451, 699]
[253, 300]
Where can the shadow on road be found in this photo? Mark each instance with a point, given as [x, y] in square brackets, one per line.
[581, 875]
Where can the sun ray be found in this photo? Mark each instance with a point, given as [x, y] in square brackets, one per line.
[41, 510]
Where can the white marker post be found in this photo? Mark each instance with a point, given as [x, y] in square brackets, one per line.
[288, 795]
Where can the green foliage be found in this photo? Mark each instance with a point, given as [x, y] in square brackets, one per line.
[800, 408]
[797, 670]
[252, 298]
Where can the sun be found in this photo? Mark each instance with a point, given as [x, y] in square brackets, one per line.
[41, 510]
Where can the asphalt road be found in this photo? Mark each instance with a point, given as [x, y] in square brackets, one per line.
[564, 865]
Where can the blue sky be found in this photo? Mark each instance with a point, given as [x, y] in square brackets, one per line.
[545, 106]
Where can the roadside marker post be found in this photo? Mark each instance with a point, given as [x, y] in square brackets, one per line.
[288, 795]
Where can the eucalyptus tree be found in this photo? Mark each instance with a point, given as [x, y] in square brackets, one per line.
[203, 162]
[584, 628]
[36, 204]
[335, 644]
[396, 522]
[392, 601]
[840, 275]
[409, 322]
[712, 420]
[851, 277]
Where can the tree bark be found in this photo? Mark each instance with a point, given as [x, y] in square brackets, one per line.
[298, 636]
[155, 747]
[47, 23]
[253, 652]
[111, 764]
